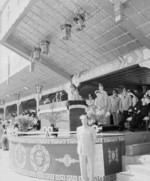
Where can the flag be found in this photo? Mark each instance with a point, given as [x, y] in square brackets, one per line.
[8, 69]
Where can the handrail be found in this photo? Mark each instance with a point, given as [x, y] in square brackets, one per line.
[58, 133]
[42, 132]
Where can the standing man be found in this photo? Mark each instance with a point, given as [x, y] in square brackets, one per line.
[114, 102]
[125, 103]
[102, 101]
[86, 137]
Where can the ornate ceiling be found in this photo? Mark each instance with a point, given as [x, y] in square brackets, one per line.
[101, 41]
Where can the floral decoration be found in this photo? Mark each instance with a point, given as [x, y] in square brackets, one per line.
[24, 122]
[96, 116]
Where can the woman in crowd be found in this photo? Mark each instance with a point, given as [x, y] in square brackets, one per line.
[74, 93]
[90, 101]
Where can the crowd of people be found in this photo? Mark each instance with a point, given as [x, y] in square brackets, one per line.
[122, 107]
[12, 121]
[55, 97]
[119, 107]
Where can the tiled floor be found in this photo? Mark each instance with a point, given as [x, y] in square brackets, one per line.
[5, 172]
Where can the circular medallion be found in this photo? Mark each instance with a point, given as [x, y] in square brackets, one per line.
[20, 155]
[40, 158]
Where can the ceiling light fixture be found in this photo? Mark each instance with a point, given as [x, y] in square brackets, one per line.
[44, 45]
[35, 55]
[66, 31]
[119, 9]
[79, 21]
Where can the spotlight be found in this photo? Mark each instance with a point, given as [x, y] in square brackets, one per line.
[44, 45]
[66, 31]
[79, 21]
[36, 53]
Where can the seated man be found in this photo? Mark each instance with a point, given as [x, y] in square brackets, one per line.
[132, 114]
[144, 112]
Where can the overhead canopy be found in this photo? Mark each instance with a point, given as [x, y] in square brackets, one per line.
[101, 41]
[132, 78]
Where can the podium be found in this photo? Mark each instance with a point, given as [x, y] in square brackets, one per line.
[65, 115]
[56, 159]
[76, 109]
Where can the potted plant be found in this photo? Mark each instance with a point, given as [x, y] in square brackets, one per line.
[24, 122]
[96, 116]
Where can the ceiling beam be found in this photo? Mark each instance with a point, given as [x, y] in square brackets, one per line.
[118, 10]
[26, 53]
[17, 47]
[108, 7]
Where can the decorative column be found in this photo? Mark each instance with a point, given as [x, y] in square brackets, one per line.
[2, 102]
[38, 95]
[118, 9]
[17, 98]
[5, 112]
[20, 108]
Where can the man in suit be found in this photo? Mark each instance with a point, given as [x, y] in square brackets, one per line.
[102, 98]
[125, 103]
[114, 102]
[86, 137]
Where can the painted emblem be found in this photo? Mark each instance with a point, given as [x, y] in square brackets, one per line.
[130, 59]
[113, 155]
[67, 160]
[146, 53]
[40, 158]
[20, 155]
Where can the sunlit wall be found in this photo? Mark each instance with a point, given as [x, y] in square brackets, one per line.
[10, 63]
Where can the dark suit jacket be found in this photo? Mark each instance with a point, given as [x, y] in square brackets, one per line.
[145, 110]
